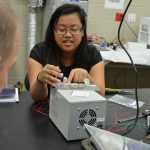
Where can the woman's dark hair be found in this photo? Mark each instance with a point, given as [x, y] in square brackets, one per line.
[53, 52]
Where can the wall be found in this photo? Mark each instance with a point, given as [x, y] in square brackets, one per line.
[101, 21]
[19, 70]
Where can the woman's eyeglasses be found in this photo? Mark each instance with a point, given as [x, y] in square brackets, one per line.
[64, 31]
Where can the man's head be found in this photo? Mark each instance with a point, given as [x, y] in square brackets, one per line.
[9, 40]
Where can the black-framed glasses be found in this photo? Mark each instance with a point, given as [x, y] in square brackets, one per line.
[72, 31]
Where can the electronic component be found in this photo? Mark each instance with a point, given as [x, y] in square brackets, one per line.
[146, 113]
[148, 121]
[76, 86]
[141, 115]
[72, 105]
[130, 118]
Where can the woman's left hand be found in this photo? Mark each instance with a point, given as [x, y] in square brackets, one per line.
[78, 75]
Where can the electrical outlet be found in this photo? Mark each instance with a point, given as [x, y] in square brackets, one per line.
[131, 17]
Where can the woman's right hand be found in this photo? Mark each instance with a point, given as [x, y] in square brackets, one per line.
[50, 74]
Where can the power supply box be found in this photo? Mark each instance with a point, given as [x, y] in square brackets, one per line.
[70, 109]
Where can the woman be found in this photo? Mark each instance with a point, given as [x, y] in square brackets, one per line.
[9, 40]
[65, 50]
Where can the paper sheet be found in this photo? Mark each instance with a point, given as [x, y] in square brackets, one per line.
[139, 57]
[114, 4]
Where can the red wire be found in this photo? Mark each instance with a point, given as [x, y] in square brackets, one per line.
[111, 129]
[114, 124]
[37, 107]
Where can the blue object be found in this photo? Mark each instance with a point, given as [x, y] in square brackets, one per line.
[7, 92]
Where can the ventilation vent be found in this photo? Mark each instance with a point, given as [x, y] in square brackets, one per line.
[87, 116]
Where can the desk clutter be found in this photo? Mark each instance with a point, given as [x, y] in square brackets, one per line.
[111, 51]
[140, 56]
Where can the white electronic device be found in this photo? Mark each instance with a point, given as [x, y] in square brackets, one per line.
[71, 106]
[144, 30]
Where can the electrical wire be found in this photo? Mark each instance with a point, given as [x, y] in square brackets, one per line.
[42, 107]
[115, 38]
[114, 127]
[136, 74]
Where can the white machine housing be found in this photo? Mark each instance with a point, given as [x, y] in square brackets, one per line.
[144, 30]
[70, 111]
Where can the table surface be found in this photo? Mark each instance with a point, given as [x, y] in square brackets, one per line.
[21, 128]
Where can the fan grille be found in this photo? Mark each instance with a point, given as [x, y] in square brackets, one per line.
[91, 114]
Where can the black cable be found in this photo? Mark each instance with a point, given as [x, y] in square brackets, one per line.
[136, 74]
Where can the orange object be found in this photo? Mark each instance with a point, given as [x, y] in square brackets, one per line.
[118, 16]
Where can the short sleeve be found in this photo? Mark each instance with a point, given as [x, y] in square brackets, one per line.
[95, 56]
[37, 53]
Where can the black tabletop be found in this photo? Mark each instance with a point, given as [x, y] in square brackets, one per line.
[21, 128]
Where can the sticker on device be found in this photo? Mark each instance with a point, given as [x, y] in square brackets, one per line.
[80, 93]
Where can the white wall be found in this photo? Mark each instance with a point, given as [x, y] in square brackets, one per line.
[101, 21]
